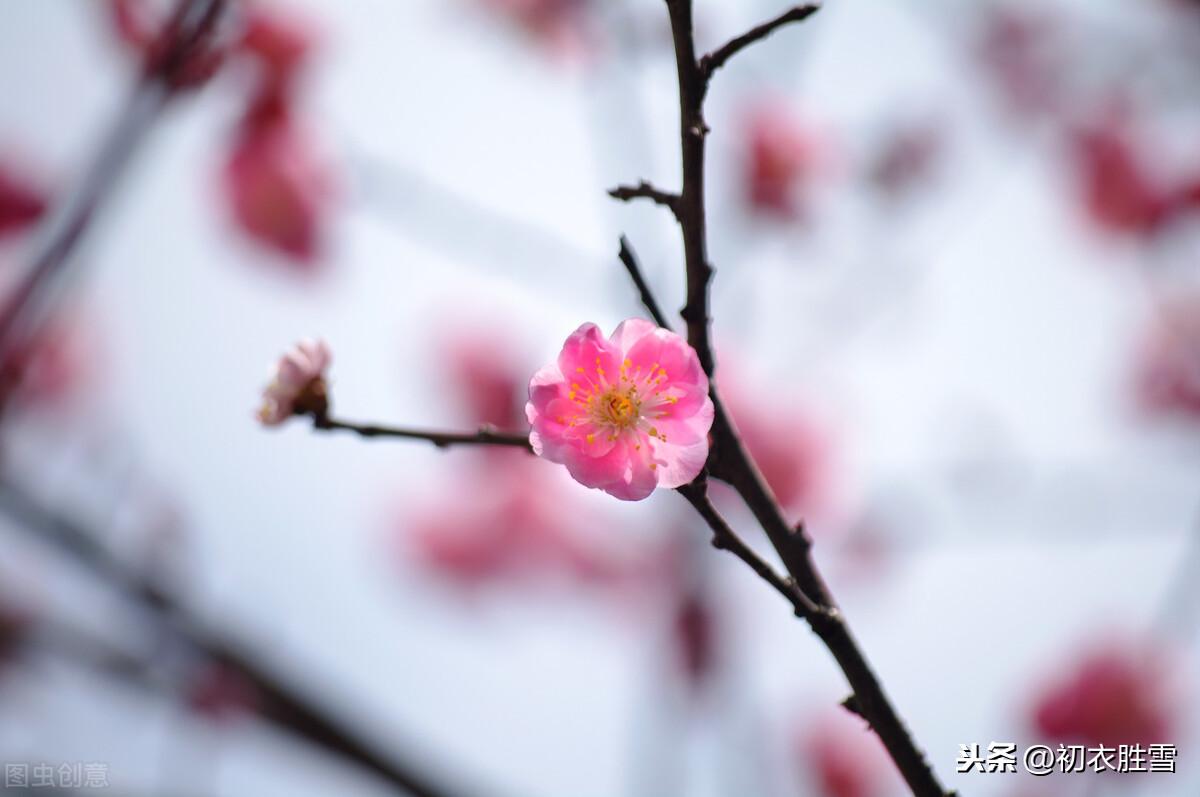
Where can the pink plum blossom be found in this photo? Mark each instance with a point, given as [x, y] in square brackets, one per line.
[781, 157]
[625, 414]
[297, 383]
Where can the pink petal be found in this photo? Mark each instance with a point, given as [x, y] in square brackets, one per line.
[630, 332]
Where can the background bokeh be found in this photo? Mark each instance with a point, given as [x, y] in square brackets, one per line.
[956, 316]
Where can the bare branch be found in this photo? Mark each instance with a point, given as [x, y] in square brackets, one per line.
[717, 58]
[728, 457]
[630, 261]
[726, 539]
[486, 436]
[644, 190]
[275, 698]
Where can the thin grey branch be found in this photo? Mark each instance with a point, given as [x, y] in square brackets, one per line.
[644, 190]
[716, 59]
[630, 261]
[485, 436]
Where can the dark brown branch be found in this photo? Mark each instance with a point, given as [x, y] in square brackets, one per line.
[276, 700]
[728, 459]
[726, 539]
[630, 261]
[644, 190]
[486, 436]
[717, 58]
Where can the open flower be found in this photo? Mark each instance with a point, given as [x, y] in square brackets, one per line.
[297, 383]
[625, 414]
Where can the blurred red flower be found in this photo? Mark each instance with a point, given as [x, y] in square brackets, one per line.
[556, 24]
[281, 43]
[278, 190]
[1118, 192]
[511, 524]
[838, 756]
[1168, 376]
[1116, 694]
[1020, 53]
[22, 204]
[795, 454]
[488, 381]
[50, 367]
[780, 158]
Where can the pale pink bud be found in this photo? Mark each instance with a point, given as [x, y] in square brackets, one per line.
[297, 383]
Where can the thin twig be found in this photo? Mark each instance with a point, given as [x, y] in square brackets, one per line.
[726, 539]
[644, 190]
[275, 699]
[630, 261]
[717, 58]
[486, 436]
[728, 458]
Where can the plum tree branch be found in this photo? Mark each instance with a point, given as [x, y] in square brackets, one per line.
[276, 700]
[726, 539]
[485, 436]
[716, 59]
[644, 190]
[728, 459]
[630, 261]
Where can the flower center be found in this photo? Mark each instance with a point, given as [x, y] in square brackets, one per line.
[620, 408]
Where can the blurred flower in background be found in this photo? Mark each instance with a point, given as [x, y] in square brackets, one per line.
[22, 203]
[1118, 693]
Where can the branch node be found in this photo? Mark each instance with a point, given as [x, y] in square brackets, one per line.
[645, 190]
[852, 705]
[630, 261]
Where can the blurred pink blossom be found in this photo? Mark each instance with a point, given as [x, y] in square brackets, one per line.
[1114, 694]
[907, 157]
[1168, 377]
[297, 383]
[794, 451]
[839, 756]
[22, 203]
[280, 42]
[510, 524]
[49, 368]
[279, 191]
[1020, 52]
[556, 24]
[485, 377]
[695, 633]
[625, 414]
[1118, 192]
[780, 158]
